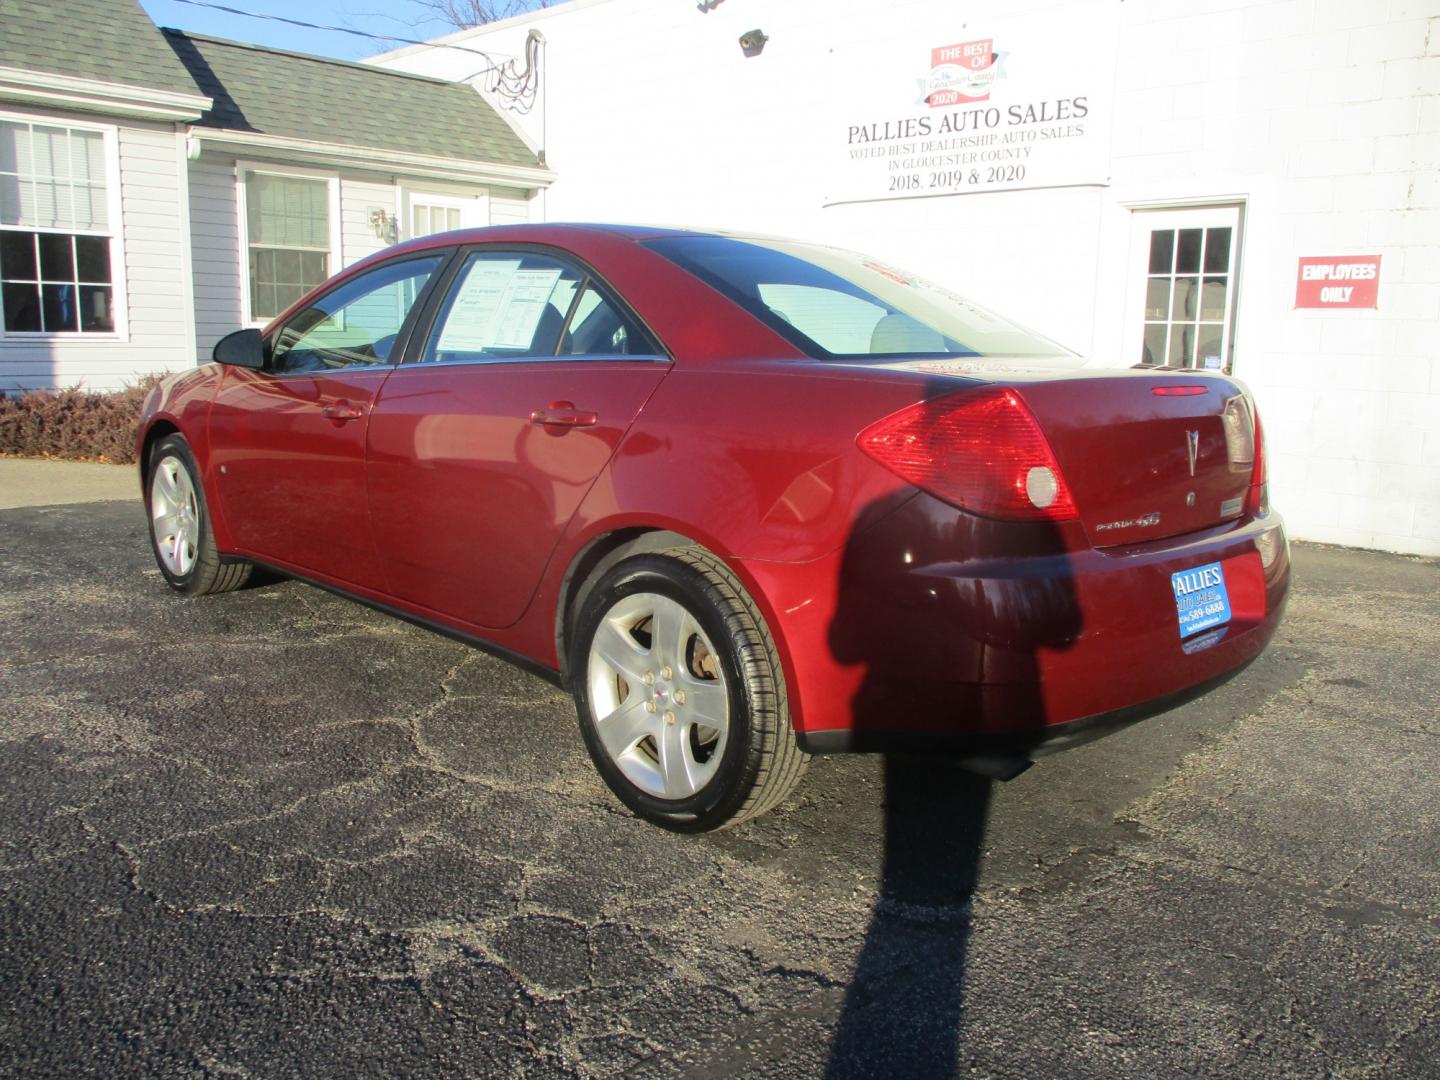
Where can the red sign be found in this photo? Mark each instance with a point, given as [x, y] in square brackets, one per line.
[1345, 281]
[961, 74]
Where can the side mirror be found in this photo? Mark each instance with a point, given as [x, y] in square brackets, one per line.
[243, 348]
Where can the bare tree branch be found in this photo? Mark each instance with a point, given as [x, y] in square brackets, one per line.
[463, 14]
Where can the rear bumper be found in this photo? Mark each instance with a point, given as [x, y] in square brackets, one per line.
[901, 641]
[993, 745]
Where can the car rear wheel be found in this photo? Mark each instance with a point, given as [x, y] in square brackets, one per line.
[180, 532]
[680, 695]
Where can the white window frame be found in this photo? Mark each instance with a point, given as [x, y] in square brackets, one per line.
[243, 169]
[474, 207]
[114, 211]
[1146, 219]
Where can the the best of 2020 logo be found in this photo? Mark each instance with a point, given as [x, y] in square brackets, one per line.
[962, 74]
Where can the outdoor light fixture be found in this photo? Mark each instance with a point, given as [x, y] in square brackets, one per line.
[752, 42]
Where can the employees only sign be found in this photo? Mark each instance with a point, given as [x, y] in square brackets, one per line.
[1343, 281]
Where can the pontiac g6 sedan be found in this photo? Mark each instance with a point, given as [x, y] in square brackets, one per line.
[748, 499]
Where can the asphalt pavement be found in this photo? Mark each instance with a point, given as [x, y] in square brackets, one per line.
[275, 833]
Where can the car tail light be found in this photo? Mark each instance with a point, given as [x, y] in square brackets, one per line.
[1257, 502]
[981, 451]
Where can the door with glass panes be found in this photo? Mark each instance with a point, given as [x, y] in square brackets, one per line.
[1184, 267]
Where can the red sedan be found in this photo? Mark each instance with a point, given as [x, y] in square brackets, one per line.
[749, 499]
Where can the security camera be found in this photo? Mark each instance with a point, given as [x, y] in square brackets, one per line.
[752, 42]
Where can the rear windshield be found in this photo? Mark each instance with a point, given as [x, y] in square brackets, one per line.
[838, 305]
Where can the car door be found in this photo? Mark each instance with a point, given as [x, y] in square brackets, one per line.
[288, 442]
[482, 448]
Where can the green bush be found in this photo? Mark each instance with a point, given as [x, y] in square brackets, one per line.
[80, 425]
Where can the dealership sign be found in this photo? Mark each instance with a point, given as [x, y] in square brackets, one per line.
[946, 108]
[1345, 281]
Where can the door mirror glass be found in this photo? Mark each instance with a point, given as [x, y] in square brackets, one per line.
[243, 348]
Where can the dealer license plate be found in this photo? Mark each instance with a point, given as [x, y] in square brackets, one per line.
[1201, 600]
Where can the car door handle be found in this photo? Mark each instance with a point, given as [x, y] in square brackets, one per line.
[342, 411]
[564, 414]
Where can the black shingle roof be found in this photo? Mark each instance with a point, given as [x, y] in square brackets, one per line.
[112, 41]
[299, 96]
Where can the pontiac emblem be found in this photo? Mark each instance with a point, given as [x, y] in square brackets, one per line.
[1192, 447]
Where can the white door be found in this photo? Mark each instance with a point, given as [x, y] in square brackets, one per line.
[1183, 274]
[428, 212]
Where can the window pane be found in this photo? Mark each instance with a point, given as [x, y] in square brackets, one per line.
[1187, 254]
[418, 221]
[1162, 251]
[357, 322]
[1157, 298]
[12, 137]
[842, 323]
[1154, 350]
[17, 256]
[1183, 305]
[1212, 298]
[1217, 251]
[58, 305]
[95, 313]
[1182, 346]
[504, 306]
[1208, 353]
[57, 258]
[92, 256]
[87, 155]
[12, 189]
[452, 218]
[88, 206]
[51, 155]
[287, 211]
[597, 329]
[22, 307]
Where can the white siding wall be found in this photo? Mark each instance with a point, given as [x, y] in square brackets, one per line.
[508, 207]
[215, 246]
[1321, 116]
[151, 230]
[357, 235]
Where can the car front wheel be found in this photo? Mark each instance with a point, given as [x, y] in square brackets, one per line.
[680, 695]
[180, 532]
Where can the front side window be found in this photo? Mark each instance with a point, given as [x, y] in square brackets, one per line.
[287, 223]
[355, 324]
[55, 239]
[522, 305]
[837, 305]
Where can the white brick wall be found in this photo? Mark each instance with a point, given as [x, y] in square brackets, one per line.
[1321, 116]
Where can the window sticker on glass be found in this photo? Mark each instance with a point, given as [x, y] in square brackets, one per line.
[470, 323]
[522, 305]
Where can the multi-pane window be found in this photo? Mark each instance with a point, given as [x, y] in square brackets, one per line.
[427, 218]
[1187, 297]
[55, 264]
[288, 235]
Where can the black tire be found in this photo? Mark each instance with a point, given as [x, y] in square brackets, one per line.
[760, 761]
[199, 569]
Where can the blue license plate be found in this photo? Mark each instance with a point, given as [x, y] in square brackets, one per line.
[1201, 600]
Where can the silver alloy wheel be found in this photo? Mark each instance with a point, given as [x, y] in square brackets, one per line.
[658, 698]
[174, 515]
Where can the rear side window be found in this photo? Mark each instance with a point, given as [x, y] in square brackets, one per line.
[523, 305]
[837, 305]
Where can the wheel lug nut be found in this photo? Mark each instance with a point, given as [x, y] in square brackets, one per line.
[666, 673]
[679, 697]
[669, 716]
[649, 678]
[649, 706]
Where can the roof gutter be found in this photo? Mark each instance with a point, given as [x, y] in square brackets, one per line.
[369, 157]
[93, 95]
